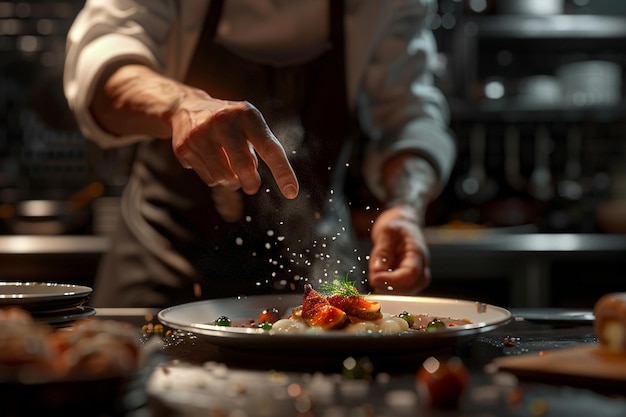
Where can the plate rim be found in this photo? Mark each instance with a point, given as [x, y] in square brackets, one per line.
[227, 334]
[77, 291]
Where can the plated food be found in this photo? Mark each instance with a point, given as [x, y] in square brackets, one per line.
[203, 319]
[339, 306]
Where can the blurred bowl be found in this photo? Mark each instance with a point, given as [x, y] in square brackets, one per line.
[540, 89]
[531, 7]
[591, 83]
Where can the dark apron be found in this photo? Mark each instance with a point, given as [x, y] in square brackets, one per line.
[174, 247]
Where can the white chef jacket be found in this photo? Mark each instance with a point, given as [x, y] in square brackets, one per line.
[389, 55]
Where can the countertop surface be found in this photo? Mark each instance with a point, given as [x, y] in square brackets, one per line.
[183, 374]
[492, 240]
[190, 377]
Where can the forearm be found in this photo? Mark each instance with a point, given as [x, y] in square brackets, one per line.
[134, 99]
[410, 180]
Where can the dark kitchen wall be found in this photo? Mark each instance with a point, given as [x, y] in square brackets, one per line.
[42, 153]
[537, 107]
[542, 155]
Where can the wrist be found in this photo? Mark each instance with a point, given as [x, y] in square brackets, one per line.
[410, 181]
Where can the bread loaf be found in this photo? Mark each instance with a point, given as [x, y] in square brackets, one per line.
[610, 321]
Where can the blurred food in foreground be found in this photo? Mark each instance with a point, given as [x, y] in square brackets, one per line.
[33, 352]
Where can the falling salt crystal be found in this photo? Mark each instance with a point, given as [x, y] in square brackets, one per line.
[280, 238]
[267, 190]
[389, 288]
[270, 233]
[239, 241]
[332, 192]
[248, 219]
[268, 246]
[367, 207]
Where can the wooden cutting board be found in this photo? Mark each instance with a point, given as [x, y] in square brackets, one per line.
[586, 366]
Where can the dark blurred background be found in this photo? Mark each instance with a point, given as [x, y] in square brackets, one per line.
[535, 89]
[536, 93]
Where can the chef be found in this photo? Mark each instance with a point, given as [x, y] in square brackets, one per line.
[246, 116]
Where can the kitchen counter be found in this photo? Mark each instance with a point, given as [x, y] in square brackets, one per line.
[441, 242]
[185, 375]
[51, 258]
[524, 260]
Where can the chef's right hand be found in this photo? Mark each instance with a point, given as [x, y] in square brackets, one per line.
[220, 141]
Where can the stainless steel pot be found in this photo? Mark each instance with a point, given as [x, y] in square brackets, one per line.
[51, 217]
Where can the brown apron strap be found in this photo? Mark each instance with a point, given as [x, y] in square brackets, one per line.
[212, 20]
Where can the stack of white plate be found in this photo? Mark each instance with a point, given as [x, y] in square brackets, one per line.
[48, 302]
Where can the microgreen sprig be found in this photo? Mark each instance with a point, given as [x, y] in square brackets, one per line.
[340, 285]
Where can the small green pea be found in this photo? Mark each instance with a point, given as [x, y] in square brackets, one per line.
[266, 325]
[434, 325]
[223, 321]
[408, 317]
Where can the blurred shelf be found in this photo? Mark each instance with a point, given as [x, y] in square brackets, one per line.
[511, 110]
[457, 242]
[550, 27]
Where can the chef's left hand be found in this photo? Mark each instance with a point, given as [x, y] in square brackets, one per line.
[399, 260]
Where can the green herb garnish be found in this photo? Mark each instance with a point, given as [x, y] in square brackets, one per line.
[340, 285]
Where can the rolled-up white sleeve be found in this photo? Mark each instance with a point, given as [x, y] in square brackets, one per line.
[398, 104]
[103, 35]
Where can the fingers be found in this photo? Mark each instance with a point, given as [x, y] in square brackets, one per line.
[222, 148]
[401, 273]
[271, 151]
[399, 262]
[402, 280]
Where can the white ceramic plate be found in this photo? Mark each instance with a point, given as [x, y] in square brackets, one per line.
[42, 295]
[64, 317]
[196, 317]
